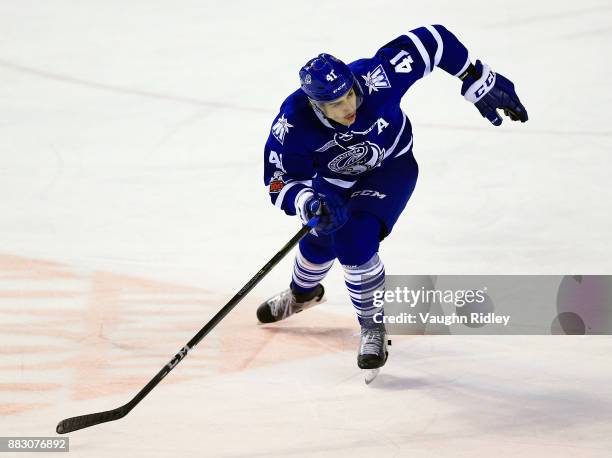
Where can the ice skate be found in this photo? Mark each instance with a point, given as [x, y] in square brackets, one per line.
[287, 303]
[372, 351]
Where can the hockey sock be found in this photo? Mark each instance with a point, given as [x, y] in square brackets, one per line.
[362, 281]
[307, 275]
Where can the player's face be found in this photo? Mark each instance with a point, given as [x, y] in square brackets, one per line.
[342, 110]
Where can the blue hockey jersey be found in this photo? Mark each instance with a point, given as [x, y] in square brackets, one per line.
[304, 148]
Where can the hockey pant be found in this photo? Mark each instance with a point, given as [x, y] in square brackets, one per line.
[374, 207]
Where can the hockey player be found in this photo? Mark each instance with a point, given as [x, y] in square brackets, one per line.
[341, 148]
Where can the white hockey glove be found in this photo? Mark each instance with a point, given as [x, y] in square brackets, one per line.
[331, 209]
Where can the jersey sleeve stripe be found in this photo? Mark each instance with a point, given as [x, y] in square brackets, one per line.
[389, 152]
[339, 182]
[440, 43]
[464, 68]
[287, 187]
[422, 52]
[406, 148]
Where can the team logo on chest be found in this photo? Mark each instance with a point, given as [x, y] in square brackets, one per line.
[357, 159]
[280, 128]
[376, 79]
[357, 156]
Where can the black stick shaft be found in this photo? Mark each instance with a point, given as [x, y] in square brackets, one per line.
[84, 421]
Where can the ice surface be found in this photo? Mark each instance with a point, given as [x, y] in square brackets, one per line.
[131, 137]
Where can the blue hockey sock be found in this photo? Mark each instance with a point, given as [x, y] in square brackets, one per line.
[307, 275]
[362, 281]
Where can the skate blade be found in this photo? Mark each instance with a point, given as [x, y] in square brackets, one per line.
[370, 375]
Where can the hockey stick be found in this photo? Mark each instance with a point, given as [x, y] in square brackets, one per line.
[84, 421]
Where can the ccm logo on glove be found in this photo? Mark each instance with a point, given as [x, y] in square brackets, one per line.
[480, 88]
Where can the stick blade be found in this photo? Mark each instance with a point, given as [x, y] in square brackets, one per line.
[84, 421]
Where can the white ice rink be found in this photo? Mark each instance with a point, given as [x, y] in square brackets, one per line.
[133, 208]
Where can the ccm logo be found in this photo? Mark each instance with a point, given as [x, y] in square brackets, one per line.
[369, 192]
[486, 86]
[177, 358]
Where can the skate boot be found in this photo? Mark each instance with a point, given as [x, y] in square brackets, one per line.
[372, 350]
[287, 303]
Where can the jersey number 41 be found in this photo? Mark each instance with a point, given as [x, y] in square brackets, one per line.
[402, 61]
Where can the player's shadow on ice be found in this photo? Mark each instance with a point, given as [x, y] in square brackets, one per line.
[392, 382]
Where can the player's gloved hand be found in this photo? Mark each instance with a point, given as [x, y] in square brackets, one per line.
[330, 208]
[490, 91]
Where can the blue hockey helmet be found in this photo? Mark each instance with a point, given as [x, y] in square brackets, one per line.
[326, 78]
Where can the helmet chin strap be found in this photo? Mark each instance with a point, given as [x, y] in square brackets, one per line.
[358, 92]
[316, 107]
[319, 112]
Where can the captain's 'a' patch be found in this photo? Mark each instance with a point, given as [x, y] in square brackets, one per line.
[376, 79]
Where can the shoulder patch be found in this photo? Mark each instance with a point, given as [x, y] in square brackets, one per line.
[280, 128]
[376, 79]
[277, 182]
